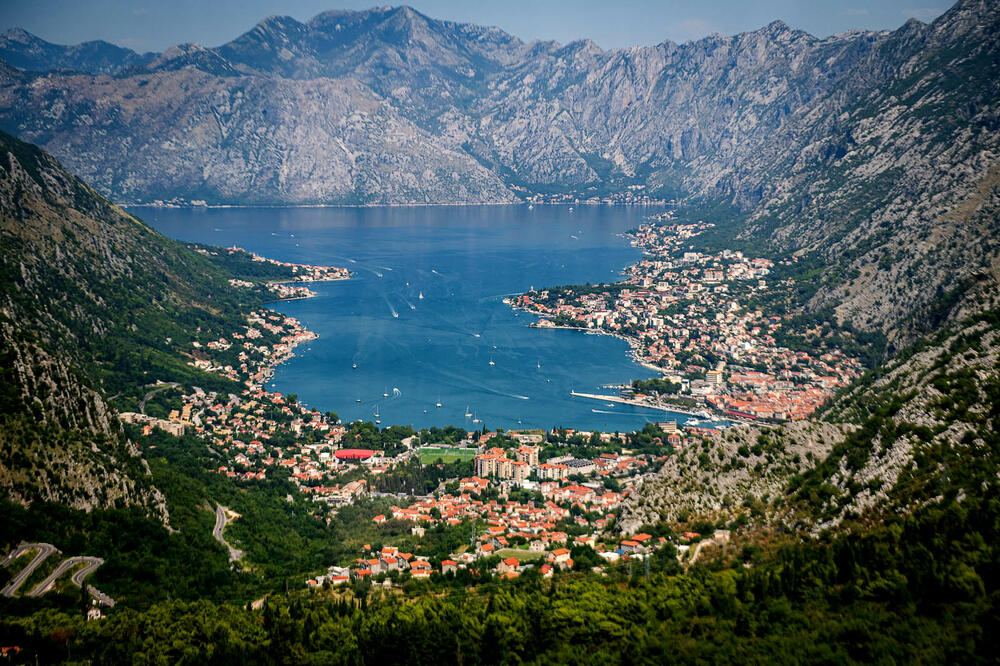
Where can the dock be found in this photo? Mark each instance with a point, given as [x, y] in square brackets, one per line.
[634, 403]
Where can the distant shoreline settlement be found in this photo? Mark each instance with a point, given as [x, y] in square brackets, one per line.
[688, 315]
[571, 482]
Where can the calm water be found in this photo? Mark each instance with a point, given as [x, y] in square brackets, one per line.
[419, 351]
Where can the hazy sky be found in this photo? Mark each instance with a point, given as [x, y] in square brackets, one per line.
[153, 26]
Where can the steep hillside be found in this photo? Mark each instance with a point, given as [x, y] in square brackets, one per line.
[876, 152]
[93, 301]
[918, 432]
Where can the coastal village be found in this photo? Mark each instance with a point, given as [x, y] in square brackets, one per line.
[689, 315]
[529, 498]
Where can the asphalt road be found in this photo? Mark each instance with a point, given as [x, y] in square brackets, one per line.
[44, 550]
[77, 578]
[220, 525]
[160, 387]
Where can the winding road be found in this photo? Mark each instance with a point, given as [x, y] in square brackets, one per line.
[44, 551]
[220, 525]
[159, 387]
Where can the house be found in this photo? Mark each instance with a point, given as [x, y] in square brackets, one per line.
[628, 546]
[510, 565]
[559, 555]
[420, 569]
[449, 566]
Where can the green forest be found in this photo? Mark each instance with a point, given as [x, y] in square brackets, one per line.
[920, 589]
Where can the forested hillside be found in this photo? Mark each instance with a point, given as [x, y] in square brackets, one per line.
[96, 306]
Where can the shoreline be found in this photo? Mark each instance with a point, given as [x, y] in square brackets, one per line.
[638, 403]
[190, 206]
[267, 372]
[633, 343]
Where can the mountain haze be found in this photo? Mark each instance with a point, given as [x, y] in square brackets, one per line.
[862, 149]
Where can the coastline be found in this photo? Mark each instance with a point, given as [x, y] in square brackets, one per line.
[639, 403]
[633, 343]
[268, 370]
[392, 205]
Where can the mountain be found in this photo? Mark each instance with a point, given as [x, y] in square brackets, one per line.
[917, 433]
[861, 150]
[26, 51]
[95, 307]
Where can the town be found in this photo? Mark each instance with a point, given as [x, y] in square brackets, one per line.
[528, 497]
[691, 316]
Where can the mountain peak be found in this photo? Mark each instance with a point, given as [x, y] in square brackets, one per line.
[19, 35]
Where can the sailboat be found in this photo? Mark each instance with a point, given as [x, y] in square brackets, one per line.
[420, 295]
[475, 420]
[438, 402]
[385, 393]
[468, 414]
[376, 415]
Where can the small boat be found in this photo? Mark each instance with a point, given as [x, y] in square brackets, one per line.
[491, 362]
[438, 403]
[476, 420]
[354, 365]
[531, 206]
[468, 414]
[357, 400]
[539, 365]
[420, 295]
[385, 393]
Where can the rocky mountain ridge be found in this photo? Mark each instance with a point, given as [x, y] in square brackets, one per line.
[919, 431]
[92, 302]
[868, 149]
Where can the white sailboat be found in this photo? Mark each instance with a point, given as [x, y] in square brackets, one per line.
[420, 295]
[468, 414]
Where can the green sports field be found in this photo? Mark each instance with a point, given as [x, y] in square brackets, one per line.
[431, 454]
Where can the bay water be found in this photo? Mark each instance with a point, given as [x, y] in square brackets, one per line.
[422, 316]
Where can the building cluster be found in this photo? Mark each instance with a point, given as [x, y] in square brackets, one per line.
[687, 314]
[629, 195]
[174, 427]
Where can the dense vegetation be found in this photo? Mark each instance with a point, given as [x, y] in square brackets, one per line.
[915, 589]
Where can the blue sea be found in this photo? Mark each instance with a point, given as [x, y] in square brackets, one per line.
[422, 316]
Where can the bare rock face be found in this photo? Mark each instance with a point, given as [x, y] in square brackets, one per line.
[874, 150]
[67, 257]
[922, 428]
[739, 472]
